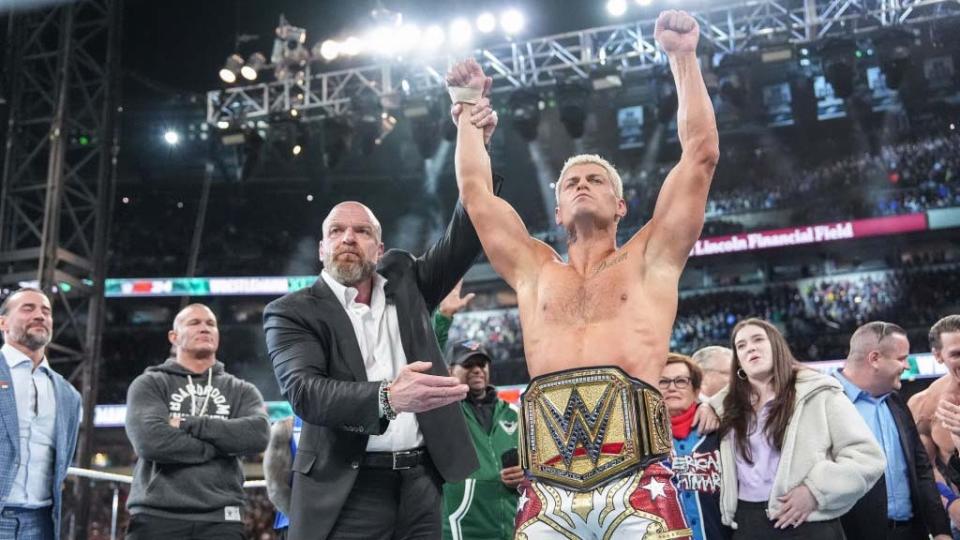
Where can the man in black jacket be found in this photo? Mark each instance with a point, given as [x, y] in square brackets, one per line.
[356, 357]
[905, 504]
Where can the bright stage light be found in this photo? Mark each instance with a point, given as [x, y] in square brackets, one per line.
[512, 21]
[433, 38]
[616, 7]
[407, 37]
[352, 46]
[382, 40]
[254, 64]
[297, 149]
[461, 33]
[172, 137]
[230, 69]
[330, 50]
[486, 23]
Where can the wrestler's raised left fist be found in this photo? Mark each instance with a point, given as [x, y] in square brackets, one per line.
[677, 32]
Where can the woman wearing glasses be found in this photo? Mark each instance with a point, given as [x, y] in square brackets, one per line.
[696, 457]
[795, 454]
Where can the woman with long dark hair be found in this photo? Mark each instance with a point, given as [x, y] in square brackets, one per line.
[795, 454]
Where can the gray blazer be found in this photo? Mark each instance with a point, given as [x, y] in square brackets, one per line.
[66, 426]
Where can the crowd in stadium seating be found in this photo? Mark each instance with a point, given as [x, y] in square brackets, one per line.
[905, 177]
[264, 232]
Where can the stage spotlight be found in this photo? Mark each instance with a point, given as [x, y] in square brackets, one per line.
[382, 40]
[329, 50]
[292, 35]
[231, 68]
[297, 149]
[461, 33]
[838, 56]
[171, 137]
[254, 64]
[572, 98]
[223, 124]
[352, 46]
[407, 37]
[387, 124]
[289, 55]
[512, 21]
[433, 38]
[486, 23]
[524, 105]
[616, 7]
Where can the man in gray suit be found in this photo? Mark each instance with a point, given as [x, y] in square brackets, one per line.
[40, 411]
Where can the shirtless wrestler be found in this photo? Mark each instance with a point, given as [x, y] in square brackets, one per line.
[597, 327]
[937, 413]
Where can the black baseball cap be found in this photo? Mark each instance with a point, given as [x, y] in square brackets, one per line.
[465, 350]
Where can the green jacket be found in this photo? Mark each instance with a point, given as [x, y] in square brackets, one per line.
[481, 507]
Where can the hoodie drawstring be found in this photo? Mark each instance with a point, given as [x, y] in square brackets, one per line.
[209, 389]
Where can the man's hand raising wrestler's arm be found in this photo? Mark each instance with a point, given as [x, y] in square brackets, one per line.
[514, 254]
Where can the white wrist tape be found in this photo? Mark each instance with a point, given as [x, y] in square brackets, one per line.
[463, 94]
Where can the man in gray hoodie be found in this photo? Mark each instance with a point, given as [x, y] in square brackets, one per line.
[189, 421]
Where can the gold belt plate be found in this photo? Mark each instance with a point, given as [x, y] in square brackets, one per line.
[581, 427]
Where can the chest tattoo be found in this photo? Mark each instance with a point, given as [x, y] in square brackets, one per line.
[611, 262]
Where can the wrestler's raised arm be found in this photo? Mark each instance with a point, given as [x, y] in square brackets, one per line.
[679, 213]
[514, 254]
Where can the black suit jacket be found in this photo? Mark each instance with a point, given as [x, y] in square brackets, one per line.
[318, 363]
[867, 520]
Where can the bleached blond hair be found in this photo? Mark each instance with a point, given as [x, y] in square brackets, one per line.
[595, 159]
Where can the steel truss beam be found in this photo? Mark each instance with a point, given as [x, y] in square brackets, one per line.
[57, 181]
[629, 47]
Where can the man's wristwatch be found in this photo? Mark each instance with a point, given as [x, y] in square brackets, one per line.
[388, 411]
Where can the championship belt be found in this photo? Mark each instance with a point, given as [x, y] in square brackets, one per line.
[583, 427]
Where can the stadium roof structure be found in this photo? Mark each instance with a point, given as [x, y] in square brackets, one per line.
[628, 47]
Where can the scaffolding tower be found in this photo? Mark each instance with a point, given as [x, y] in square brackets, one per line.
[58, 177]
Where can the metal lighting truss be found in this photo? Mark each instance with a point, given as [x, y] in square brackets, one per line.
[627, 47]
[58, 173]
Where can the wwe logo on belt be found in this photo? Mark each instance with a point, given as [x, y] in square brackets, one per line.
[580, 425]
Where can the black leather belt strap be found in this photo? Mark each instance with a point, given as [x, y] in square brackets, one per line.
[896, 524]
[396, 461]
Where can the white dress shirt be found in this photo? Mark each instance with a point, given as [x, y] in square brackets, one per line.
[378, 333]
[36, 414]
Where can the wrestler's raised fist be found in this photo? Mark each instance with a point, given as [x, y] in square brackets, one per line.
[677, 32]
[469, 74]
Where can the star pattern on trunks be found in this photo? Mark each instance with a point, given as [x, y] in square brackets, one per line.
[655, 488]
[522, 501]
